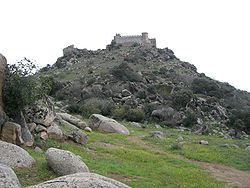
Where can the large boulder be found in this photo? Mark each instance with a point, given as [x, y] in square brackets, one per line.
[104, 124]
[11, 132]
[3, 63]
[168, 115]
[14, 156]
[8, 178]
[82, 180]
[42, 112]
[64, 162]
[73, 120]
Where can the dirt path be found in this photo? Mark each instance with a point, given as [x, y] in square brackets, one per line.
[229, 175]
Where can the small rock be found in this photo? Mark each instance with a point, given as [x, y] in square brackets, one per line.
[38, 150]
[235, 146]
[158, 126]
[40, 128]
[136, 124]
[224, 145]
[31, 126]
[126, 93]
[203, 142]
[157, 134]
[79, 137]
[55, 132]
[43, 135]
[247, 148]
[179, 139]
[88, 129]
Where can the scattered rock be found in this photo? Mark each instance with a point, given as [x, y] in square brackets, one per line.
[14, 156]
[38, 150]
[247, 148]
[179, 139]
[158, 126]
[73, 120]
[156, 134]
[8, 178]
[43, 135]
[234, 146]
[79, 137]
[104, 124]
[82, 180]
[126, 93]
[40, 128]
[55, 132]
[11, 132]
[88, 129]
[31, 126]
[136, 124]
[203, 142]
[64, 162]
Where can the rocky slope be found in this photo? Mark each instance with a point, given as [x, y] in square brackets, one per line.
[142, 84]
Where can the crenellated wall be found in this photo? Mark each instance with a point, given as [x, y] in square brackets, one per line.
[132, 39]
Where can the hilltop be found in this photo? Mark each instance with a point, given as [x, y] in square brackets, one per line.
[147, 84]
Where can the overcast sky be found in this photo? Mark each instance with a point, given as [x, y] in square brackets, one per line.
[214, 35]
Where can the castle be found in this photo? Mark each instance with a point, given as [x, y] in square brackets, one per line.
[142, 40]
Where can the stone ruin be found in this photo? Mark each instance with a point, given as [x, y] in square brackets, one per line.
[127, 41]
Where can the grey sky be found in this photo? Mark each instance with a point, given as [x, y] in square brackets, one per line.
[214, 35]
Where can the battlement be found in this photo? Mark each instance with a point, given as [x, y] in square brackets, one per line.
[130, 40]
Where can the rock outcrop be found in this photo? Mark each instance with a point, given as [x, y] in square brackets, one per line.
[3, 63]
[64, 162]
[8, 178]
[104, 124]
[82, 180]
[14, 156]
[42, 113]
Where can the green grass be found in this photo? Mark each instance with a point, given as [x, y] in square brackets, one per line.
[141, 161]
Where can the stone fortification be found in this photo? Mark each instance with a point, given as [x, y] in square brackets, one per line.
[142, 40]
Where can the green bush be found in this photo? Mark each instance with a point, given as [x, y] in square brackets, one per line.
[74, 108]
[96, 106]
[119, 112]
[181, 98]
[130, 114]
[125, 73]
[135, 114]
[190, 120]
[23, 87]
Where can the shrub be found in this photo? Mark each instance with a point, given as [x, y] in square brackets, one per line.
[190, 120]
[119, 112]
[125, 73]
[181, 98]
[23, 87]
[74, 108]
[207, 87]
[177, 146]
[135, 114]
[96, 106]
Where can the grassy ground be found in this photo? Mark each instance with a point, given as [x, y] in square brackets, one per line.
[141, 161]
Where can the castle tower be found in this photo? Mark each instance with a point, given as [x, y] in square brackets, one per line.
[145, 36]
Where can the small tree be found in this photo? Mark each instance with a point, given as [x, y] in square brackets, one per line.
[23, 87]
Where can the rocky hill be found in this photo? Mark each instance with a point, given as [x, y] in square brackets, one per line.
[147, 84]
